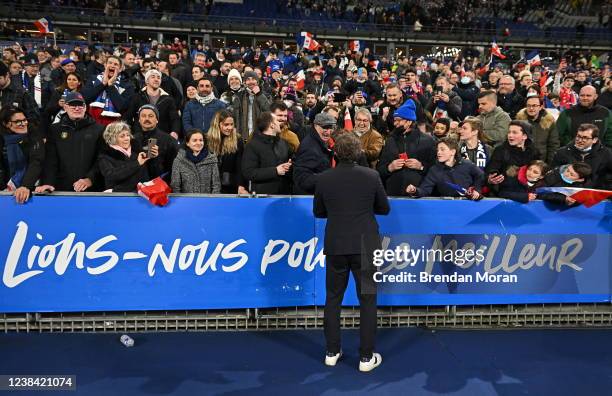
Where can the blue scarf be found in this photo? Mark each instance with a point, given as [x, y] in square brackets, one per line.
[16, 159]
[196, 158]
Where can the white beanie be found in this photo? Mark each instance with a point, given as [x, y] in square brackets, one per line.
[234, 73]
[150, 73]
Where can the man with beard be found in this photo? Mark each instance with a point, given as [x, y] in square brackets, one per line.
[585, 112]
[199, 112]
[152, 94]
[164, 151]
[310, 104]
[280, 111]
[408, 153]
[108, 94]
[221, 81]
[248, 104]
[315, 154]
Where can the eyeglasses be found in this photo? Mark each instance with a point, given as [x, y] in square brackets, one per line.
[76, 105]
[22, 121]
[533, 106]
[583, 138]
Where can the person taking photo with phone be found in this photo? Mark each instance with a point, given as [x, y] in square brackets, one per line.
[161, 147]
[121, 160]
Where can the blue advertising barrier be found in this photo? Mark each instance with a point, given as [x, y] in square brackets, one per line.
[102, 253]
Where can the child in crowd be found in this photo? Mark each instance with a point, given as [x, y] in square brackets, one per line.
[441, 128]
[571, 175]
[520, 183]
[451, 176]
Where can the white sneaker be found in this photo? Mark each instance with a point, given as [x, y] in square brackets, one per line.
[369, 365]
[331, 359]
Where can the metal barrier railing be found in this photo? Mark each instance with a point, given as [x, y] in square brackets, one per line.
[457, 317]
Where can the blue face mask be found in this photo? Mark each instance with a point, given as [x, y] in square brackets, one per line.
[562, 174]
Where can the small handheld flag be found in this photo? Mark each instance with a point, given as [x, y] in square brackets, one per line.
[348, 122]
[356, 45]
[44, 25]
[462, 191]
[300, 79]
[533, 58]
[496, 51]
[306, 41]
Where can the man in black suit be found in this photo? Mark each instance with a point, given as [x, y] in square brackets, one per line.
[349, 196]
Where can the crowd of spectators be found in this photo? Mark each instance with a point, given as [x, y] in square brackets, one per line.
[264, 121]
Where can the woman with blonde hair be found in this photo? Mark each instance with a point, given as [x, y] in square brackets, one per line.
[227, 144]
[121, 159]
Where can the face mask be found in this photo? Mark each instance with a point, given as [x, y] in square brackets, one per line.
[465, 80]
[561, 173]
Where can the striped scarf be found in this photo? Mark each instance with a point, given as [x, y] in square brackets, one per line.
[25, 82]
[105, 103]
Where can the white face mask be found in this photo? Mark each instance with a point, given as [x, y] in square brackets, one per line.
[465, 80]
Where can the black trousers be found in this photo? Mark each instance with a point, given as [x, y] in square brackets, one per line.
[336, 280]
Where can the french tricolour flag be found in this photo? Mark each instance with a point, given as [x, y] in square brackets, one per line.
[300, 79]
[356, 45]
[306, 40]
[586, 196]
[348, 122]
[533, 58]
[496, 51]
[44, 25]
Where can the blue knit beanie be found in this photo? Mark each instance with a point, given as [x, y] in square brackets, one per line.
[407, 111]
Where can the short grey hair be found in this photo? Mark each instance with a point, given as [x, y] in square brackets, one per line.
[113, 130]
[348, 147]
[363, 110]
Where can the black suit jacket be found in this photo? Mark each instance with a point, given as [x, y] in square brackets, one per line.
[349, 196]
